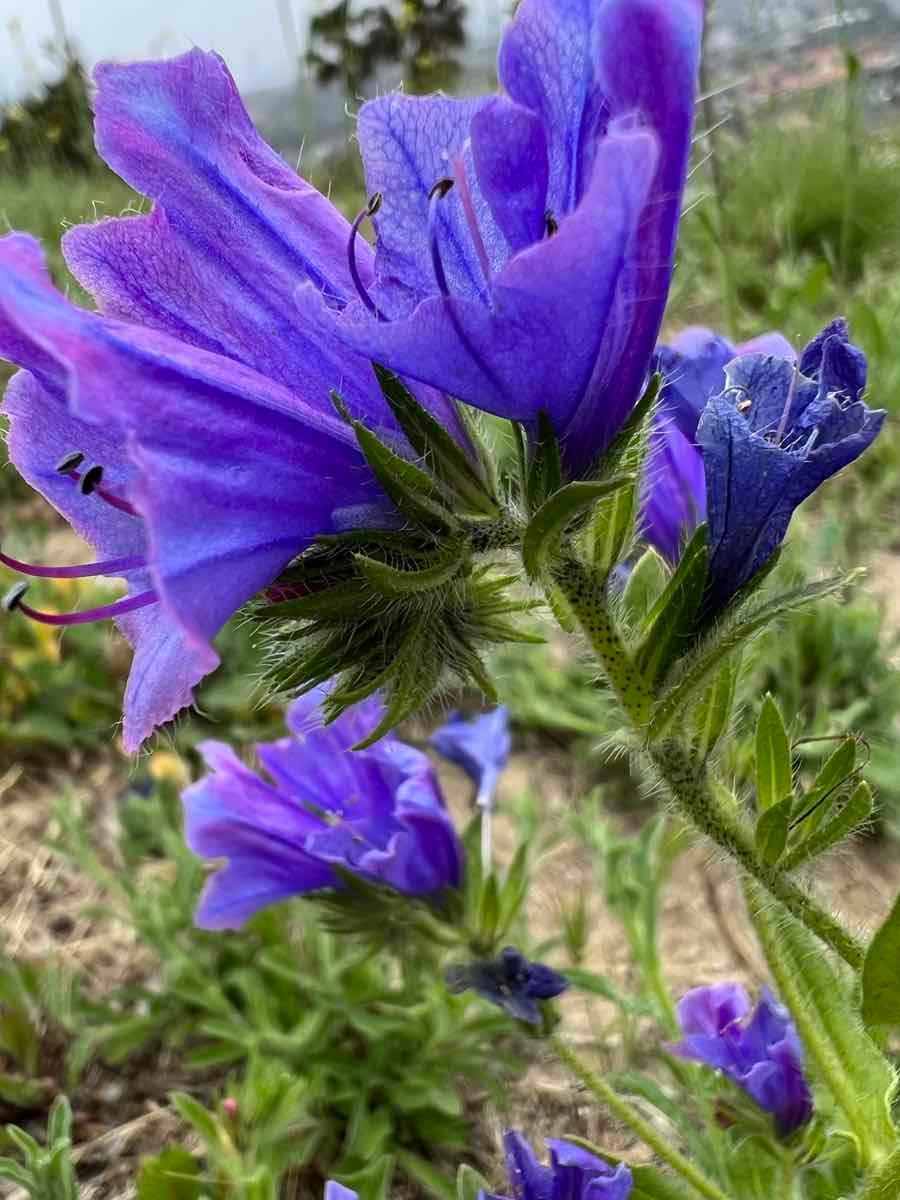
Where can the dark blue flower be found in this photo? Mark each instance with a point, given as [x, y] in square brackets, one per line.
[377, 813]
[674, 486]
[510, 981]
[775, 434]
[573, 1173]
[525, 241]
[759, 1051]
[480, 747]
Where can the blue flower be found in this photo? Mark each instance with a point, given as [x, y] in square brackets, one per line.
[674, 487]
[573, 1173]
[758, 1051]
[480, 747]
[775, 434]
[525, 241]
[377, 813]
[511, 982]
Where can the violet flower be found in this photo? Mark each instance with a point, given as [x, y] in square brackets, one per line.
[525, 241]
[187, 433]
[511, 981]
[573, 1173]
[377, 813]
[674, 488]
[480, 747]
[774, 436]
[759, 1051]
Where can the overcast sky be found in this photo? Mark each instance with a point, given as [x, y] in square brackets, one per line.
[247, 32]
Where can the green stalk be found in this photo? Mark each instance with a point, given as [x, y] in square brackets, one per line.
[693, 795]
[629, 1116]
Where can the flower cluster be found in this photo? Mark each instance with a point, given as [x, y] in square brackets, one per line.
[759, 1050]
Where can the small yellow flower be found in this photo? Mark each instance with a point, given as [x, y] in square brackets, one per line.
[166, 767]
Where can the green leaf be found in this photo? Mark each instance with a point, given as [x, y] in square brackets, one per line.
[774, 774]
[59, 1122]
[646, 582]
[10, 1169]
[442, 454]
[394, 582]
[172, 1175]
[412, 490]
[469, 1183]
[545, 468]
[546, 526]
[671, 620]
[883, 1183]
[771, 832]
[881, 973]
[195, 1114]
[434, 1181]
[716, 649]
[837, 770]
[372, 1182]
[713, 712]
[819, 996]
[857, 811]
[652, 1184]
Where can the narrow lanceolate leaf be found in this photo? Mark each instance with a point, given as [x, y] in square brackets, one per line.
[699, 669]
[441, 453]
[671, 620]
[391, 581]
[646, 583]
[772, 831]
[413, 491]
[546, 526]
[881, 974]
[819, 995]
[855, 813]
[712, 714]
[544, 472]
[838, 770]
[774, 774]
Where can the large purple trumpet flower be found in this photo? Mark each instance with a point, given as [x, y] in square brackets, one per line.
[525, 241]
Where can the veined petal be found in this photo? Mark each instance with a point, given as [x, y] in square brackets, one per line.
[165, 668]
[509, 150]
[535, 347]
[408, 144]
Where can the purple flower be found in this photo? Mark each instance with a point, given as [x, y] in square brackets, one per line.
[573, 1173]
[674, 487]
[187, 433]
[775, 434]
[377, 813]
[480, 747]
[525, 240]
[759, 1051]
[510, 981]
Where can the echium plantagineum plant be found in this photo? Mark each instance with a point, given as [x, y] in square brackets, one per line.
[267, 411]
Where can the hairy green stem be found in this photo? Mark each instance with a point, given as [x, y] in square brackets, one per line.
[693, 795]
[587, 600]
[629, 1116]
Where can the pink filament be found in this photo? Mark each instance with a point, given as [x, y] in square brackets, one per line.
[118, 609]
[112, 566]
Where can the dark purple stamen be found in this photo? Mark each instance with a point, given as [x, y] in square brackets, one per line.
[550, 223]
[89, 483]
[13, 601]
[90, 480]
[112, 566]
[437, 193]
[70, 462]
[364, 214]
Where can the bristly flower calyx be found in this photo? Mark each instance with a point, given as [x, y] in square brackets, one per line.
[394, 610]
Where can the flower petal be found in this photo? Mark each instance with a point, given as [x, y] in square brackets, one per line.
[509, 151]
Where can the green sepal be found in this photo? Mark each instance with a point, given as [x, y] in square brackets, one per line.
[884, 1182]
[855, 814]
[774, 770]
[713, 712]
[670, 622]
[646, 582]
[544, 468]
[441, 453]
[413, 491]
[394, 581]
[819, 996]
[563, 506]
[718, 645]
[881, 973]
[771, 833]
[612, 528]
